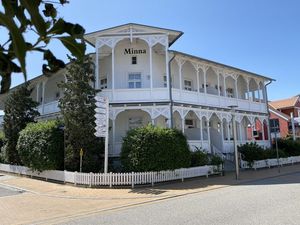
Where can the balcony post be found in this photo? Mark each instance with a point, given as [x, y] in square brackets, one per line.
[37, 92]
[198, 85]
[97, 66]
[204, 75]
[113, 70]
[113, 134]
[224, 80]
[43, 97]
[248, 89]
[168, 75]
[201, 133]
[236, 88]
[150, 69]
[208, 134]
[218, 84]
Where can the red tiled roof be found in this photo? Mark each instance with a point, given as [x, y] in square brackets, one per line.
[284, 103]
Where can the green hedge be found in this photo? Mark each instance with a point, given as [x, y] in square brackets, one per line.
[153, 149]
[199, 158]
[290, 147]
[2, 143]
[252, 151]
[41, 145]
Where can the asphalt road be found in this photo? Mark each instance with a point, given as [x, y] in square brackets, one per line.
[5, 191]
[270, 201]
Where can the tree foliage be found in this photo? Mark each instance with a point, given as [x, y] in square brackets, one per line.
[19, 110]
[39, 18]
[153, 149]
[78, 109]
[40, 146]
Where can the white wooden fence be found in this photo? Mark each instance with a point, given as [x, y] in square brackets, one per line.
[270, 162]
[111, 179]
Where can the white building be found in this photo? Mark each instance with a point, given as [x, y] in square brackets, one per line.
[148, 83]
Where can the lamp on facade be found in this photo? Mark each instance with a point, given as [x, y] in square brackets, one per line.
[233, 107]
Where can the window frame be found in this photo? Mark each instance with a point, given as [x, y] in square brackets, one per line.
[134, 80]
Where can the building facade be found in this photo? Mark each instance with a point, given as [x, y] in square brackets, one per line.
[146, 82]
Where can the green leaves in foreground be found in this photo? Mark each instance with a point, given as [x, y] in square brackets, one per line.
[38, 17]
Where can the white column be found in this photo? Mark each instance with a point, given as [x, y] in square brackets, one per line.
[268, 128]
[113, 71]
[204, 75]
[182, 124]
[201, 132]
[208, 135]
[150, 70]
[222, 132]
[180, 75]
[43, 97]
[224, 80]
[248, 90]
[153, 121]
[97, 68]
[228, 131]
[167, 65]
[236, 89]
[258, 93]
[37, 92]
[219, 84]
[198, 84]
[240, 131]
[113, 134]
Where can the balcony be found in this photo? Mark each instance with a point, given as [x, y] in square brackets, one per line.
[48, 108]
[183, 96]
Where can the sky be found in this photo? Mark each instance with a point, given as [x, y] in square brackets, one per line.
[261, 36]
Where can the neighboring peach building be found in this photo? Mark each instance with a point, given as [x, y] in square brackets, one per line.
[281, 110]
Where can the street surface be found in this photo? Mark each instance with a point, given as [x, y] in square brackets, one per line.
[268, 201]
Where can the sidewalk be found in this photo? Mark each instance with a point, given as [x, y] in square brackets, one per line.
[47, 203]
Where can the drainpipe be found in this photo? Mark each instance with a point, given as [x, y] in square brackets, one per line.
[170, 92]
[269, 133]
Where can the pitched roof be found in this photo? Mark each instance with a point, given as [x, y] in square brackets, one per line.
[278, 113]
[284, 103]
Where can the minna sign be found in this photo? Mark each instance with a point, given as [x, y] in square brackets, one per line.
[131, 51]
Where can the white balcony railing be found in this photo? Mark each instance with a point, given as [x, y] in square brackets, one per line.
[1, 120]
[48, 108]
[184, 96]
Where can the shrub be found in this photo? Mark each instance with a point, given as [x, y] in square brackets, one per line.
[290, 147]
[199, 158]
[272, 154]
[216, 160]
[251, 152]
[153, 149]
[41, 145]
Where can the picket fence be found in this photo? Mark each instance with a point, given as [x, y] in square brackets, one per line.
[112, 179]
[270, 162]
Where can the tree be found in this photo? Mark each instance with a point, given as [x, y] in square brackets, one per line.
[39, 18]
[19, 110]
[78, 109]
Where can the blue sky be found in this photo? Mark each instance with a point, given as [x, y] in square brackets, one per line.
[261, 36]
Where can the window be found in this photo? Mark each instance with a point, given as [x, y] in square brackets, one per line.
[187, 85]
[135, 122]
[134, 80]
[103, 83]
[165, 81]
[133, 60]
[189, 123]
